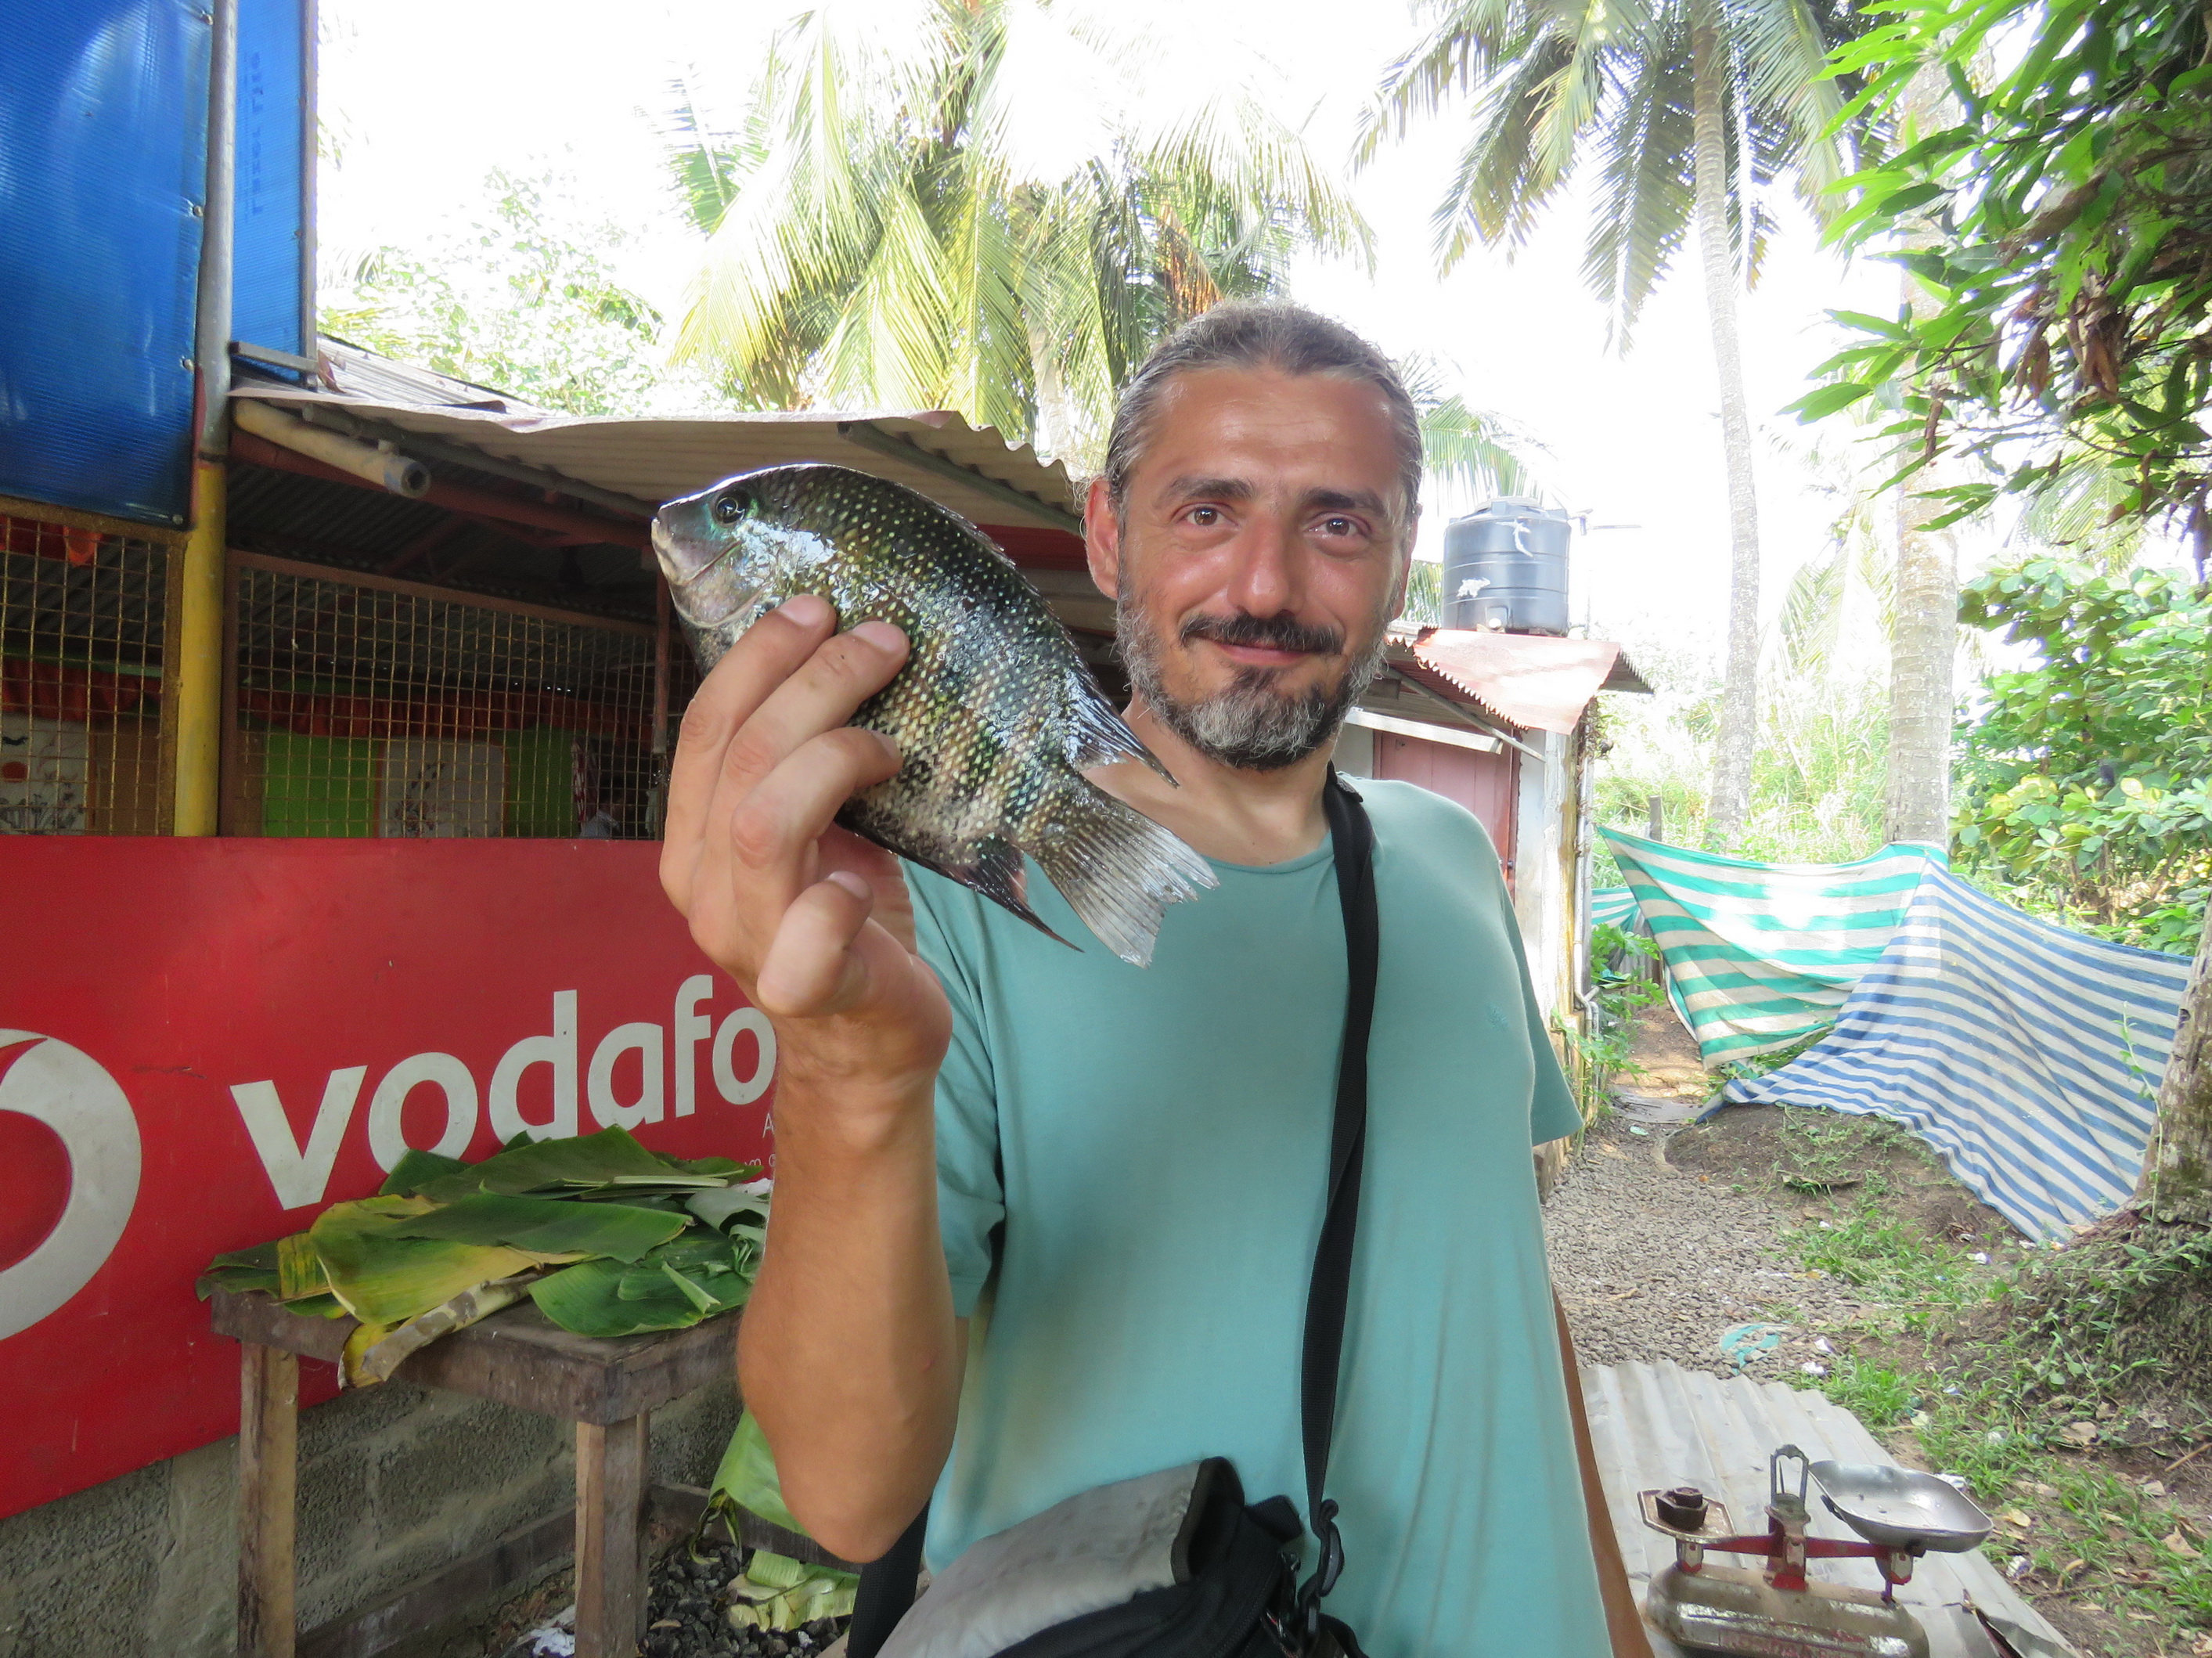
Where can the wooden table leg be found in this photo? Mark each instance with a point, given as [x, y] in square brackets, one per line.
[610, 1537]
[268, 1470]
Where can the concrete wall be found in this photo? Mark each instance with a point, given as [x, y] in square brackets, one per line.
[395, 1483]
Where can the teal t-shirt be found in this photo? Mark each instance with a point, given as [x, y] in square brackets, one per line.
[1132, 1160]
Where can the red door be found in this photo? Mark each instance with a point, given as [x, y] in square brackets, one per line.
[1483, 783]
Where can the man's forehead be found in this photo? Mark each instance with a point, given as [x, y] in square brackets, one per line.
[1248, 432]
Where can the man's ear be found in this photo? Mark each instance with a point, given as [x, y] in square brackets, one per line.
[1102, 538]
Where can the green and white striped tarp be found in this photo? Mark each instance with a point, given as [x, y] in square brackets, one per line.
[1613, 906]
[1759, 957]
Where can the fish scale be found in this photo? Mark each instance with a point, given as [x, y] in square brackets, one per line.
[995, 713]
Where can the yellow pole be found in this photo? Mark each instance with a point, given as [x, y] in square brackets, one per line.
[193, 682]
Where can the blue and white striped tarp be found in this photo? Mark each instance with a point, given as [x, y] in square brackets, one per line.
[2028, 1056]
[1761, 955]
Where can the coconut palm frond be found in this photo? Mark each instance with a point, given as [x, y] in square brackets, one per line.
[1645, 193]
[934, 219]
[1476, 449]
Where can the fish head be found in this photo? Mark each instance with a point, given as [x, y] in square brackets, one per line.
[729, 552]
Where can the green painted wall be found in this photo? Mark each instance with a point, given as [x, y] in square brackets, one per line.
[541, 797]
[318, 785]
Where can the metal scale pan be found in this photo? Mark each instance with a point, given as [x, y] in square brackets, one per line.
[1901, 1509]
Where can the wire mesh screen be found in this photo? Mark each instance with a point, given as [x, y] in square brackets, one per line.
[82, 623]
[389, 710]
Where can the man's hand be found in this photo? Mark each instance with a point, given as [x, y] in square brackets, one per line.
[849, 1352]
[813, 922]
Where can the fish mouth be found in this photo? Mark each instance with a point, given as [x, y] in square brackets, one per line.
[682, 559]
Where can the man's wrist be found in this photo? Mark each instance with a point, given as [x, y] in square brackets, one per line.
[839, 1110]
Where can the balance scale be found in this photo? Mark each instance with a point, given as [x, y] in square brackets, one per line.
[1778, 1611]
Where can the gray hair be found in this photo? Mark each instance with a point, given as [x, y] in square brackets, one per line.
[1252, 334]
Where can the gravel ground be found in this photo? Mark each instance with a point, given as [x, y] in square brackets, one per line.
[1654, 1262]
[687, 1611]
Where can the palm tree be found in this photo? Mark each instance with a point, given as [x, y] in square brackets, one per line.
[1689, 110]
[996, 206]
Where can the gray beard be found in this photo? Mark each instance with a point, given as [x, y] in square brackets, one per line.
[1248, 725]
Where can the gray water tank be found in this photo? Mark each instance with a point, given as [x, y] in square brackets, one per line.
[1505, 568]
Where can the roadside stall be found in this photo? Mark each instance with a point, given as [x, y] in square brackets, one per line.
[336, 701]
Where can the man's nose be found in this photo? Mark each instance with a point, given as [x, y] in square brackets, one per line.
[1268, 578]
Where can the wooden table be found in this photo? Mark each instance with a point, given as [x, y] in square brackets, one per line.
[608, 1388]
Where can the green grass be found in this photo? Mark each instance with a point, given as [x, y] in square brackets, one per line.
[1822, 1151]
[2111, 1543]
[1996, 1414]
[1891, 1261]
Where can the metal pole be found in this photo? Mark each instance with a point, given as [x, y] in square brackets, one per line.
[1657, 809]
[194, 681]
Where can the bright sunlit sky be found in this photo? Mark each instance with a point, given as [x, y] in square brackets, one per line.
[421, 100]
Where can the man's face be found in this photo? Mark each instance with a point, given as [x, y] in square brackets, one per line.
[1258, 558]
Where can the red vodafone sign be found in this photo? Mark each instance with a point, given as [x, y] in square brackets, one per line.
[201, 1042]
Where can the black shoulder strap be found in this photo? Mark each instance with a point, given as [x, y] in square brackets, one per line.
[1352, 838]
[887, 1585]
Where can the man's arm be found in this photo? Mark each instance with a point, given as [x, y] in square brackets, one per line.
[848, 1352]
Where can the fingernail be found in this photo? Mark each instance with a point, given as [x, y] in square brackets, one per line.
[881, 634]
[807, 609]
[853, 883]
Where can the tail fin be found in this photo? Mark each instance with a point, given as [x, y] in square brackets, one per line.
[1117, 869]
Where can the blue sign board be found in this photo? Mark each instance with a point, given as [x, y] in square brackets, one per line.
[272, 285]
[103, 173]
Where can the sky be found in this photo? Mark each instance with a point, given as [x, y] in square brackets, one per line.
[421, 98]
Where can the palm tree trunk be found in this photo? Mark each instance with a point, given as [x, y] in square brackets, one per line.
[2177, 1176]
[1922, 642]
[1730, 801]
[1925, 626]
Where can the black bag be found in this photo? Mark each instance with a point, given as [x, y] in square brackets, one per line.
[1174, 1564]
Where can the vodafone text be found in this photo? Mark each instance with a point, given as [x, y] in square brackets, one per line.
[300, 1172]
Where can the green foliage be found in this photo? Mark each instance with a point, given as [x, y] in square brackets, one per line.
[1607, 89]
[2091, 1322]
[992, 208]
[2059, 225]
[1817, 778]
[2088, 774]
[519, 302]
[1595, 1056]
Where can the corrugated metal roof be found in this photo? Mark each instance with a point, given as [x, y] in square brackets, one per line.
[653, 460]
[1657, 1425]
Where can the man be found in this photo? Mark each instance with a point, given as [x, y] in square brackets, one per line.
[1044, 1220]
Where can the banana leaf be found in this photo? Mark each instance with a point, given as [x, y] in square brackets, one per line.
[733, 1204]
[384, 1278]
[240, 1270]
[672, 1288]
[746, 1476]
[367, 1363]
[416, 1170]
[726, 1168]
[547, 1226]
[299, 1269]
[612, 1157]
[776, 1592]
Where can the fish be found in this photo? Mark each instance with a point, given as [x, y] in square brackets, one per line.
[995, 713]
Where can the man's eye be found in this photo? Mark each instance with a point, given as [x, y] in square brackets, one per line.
[1206, 517]
[1338, 526]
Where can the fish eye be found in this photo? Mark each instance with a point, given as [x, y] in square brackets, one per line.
[730, 506]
